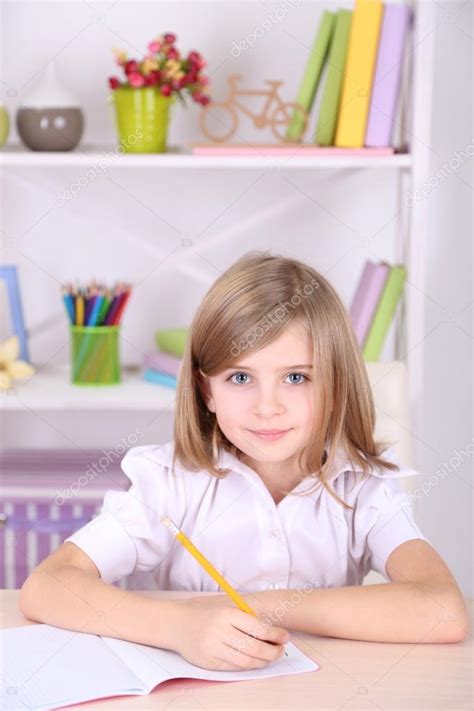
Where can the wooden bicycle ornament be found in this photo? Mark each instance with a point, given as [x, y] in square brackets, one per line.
[219, 120]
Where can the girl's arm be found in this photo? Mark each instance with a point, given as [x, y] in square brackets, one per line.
[65, 590]
[422, 603]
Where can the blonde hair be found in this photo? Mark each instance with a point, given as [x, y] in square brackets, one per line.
[248, 307]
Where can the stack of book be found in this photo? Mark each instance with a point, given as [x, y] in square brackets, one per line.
[162, 364]
[363, 50]
[374, 304]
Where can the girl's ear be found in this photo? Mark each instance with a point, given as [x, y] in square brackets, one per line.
[206, 390]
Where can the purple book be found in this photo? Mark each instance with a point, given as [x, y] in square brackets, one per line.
[386, 86]
[164, 362]
[367, 297]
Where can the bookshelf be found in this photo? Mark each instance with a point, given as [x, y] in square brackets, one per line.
[182, 159]
[51, 389]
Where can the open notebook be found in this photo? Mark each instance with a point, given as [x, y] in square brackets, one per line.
[46, 667]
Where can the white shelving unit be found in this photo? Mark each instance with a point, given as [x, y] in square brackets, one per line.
[180, 158]
[50, 389]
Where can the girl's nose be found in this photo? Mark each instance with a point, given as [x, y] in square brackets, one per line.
[268, 404]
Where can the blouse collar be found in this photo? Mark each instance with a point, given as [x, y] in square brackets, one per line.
[341, 464]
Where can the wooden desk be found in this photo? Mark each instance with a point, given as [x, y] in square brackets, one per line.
[353, 676]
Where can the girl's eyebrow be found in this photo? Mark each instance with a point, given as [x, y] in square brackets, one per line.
[285, 367]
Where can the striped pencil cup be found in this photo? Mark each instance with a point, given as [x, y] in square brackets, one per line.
[95, 355]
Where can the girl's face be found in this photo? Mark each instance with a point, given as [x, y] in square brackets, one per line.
[271, 389]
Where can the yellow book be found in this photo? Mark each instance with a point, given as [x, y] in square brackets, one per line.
[359, 73]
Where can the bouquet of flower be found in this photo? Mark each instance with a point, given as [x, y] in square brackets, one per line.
[164, 68]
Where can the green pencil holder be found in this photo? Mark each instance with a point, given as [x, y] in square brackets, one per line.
[95, 355]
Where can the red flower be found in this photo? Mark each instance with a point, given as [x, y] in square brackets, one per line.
[131, 66]
[145, 72]
[154, 46]
[194, 57]
[200, 98]
[151, 80]
[196, 60]
[136, 79]
[172, 53]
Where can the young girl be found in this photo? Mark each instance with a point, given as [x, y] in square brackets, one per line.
[275, 475]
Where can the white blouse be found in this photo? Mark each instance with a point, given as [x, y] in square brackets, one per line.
[303, 541]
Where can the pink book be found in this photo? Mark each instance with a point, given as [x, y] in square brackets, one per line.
[367, 297]
[386, 86]
[164, 362]
[209, 149]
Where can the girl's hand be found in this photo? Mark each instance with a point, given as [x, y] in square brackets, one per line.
[214, 634]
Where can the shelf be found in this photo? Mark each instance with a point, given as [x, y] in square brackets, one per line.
[50, 389]
[107, 157]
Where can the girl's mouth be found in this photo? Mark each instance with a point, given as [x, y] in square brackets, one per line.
[269, 435]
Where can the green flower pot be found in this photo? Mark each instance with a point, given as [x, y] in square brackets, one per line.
[142, 118]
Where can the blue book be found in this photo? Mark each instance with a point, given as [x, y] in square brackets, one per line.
[155, 376]
[8, 272]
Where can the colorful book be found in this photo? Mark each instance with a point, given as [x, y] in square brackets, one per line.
[9, 274]
[384, 314]
[367, 297]
[172, 340]
[164, 362]
[359, 73]
[312, 75]
[155, 376]
[326, 127]
[386, 87]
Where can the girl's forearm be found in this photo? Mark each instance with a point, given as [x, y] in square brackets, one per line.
[70, 598]
[387, 612]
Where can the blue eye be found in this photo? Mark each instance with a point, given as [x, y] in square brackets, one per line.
[300, 375]
[240, 372]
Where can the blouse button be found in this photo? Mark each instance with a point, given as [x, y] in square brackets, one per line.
[273, 586]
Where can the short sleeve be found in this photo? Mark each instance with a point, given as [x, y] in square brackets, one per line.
[127, 534]
[383, 517]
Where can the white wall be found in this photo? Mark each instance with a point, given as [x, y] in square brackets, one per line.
[446, 442]
[125, 222]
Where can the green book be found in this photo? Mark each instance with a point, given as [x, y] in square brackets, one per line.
[172, 340]
[384, 313]
[312, 75]
[327, 121]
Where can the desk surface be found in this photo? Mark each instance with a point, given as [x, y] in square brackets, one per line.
[353, 676]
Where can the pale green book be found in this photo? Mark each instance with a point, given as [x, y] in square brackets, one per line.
[312, 74]
[327, 121]
[384, 313]
[172, 340]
